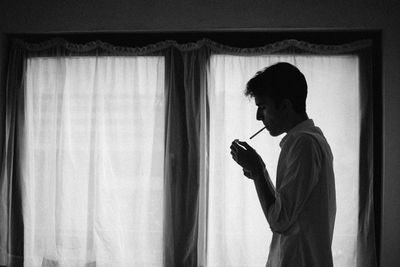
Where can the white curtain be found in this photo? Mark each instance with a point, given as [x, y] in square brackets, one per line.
[238, 233]
[92, 188]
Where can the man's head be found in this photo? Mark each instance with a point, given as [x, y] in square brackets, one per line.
[280, 92]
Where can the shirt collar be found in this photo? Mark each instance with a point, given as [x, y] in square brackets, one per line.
[299, 127]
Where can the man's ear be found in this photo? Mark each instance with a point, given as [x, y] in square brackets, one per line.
[286, 104]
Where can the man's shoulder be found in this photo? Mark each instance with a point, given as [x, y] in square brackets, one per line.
[312, 139]
[307, 136]
[306, 140]
[303, 139]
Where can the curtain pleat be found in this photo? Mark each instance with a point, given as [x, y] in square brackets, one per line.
[186, 141]
[366, 250]
[11, 221]
[176, 220]
[185, 75]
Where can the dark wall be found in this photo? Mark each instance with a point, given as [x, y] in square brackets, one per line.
[45, 16]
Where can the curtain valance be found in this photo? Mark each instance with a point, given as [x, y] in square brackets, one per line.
[285, 46]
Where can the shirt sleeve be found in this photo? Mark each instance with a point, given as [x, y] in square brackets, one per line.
[299, 177]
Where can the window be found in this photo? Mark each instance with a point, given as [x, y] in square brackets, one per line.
[238, 233]
[120, 155]
[93, 172]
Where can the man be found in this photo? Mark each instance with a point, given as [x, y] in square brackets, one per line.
[301, 210]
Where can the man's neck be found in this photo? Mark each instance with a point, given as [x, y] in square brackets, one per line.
[298, 118]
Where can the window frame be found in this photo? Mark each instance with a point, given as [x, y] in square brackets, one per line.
[259, 37]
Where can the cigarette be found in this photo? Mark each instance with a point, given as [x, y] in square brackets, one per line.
[257, 132]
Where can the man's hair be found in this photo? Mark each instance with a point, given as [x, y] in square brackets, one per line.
[280, 81]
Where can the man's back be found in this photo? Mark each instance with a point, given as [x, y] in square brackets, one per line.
[303, 215]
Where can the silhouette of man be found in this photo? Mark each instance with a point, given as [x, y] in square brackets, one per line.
[301, 210]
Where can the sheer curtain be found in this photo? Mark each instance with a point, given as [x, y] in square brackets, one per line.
[92, 186]
[238, 233]
[121, 144]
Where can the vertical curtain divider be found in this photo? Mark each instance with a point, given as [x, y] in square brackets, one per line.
[186, 72]
[204, 114]
[12, 235]
[366, 249]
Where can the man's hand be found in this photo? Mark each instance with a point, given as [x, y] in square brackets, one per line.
[247, 158]
[247, 174]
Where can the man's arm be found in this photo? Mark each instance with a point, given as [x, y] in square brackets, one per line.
[300, 176]
[265, 190]
[254, 168]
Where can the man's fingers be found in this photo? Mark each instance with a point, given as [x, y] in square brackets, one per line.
[234, 147]
[247, 146]
[234, 155]
[239, 145]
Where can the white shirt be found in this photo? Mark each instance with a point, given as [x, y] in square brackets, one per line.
[303, 215]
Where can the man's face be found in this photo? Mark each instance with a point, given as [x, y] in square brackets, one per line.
[270, 115]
